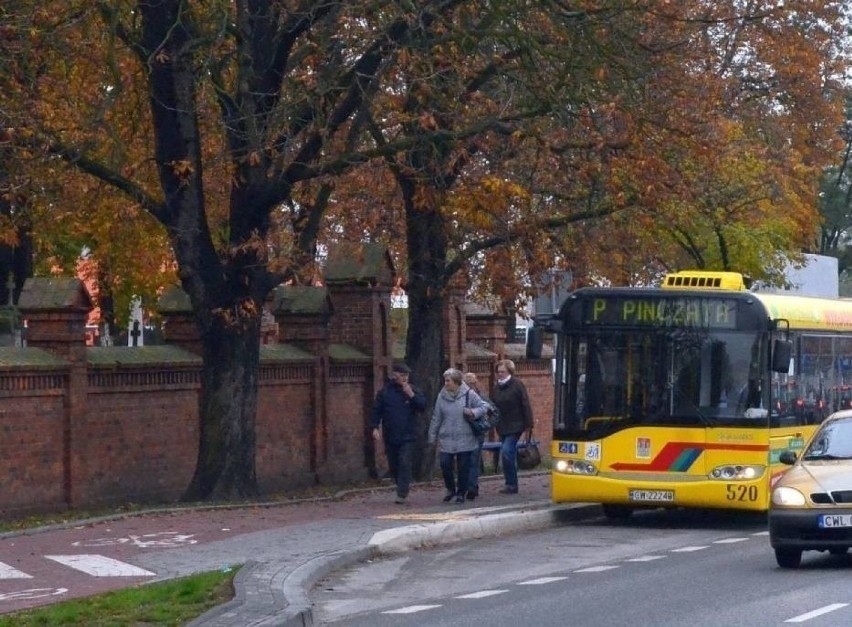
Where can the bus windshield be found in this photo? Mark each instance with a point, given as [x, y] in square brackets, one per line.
[670, 376]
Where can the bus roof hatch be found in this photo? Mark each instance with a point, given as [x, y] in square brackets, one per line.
[708, 280]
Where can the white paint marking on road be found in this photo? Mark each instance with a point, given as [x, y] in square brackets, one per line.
[7, 572]
[540, 581]
[100, 566]
[646, 558]
[481, 594]
[801, 618]
[596, 569]
[689, 549]
[761, 533]
[730, 540]
[411, 609]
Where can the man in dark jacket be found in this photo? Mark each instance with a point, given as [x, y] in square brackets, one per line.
[395, 416]
[511, 398]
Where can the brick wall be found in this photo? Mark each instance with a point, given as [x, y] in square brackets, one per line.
[86, 427]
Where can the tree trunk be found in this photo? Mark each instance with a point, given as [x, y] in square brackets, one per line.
[427, 254]
[227, 408]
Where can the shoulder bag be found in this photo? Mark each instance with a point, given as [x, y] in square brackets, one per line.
[528, 454]
[480, 426]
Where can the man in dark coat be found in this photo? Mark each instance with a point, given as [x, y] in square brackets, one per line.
[511, 398]
[395, 417]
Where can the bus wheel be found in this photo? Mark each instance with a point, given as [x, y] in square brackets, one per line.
[788, 558]
[617, 512]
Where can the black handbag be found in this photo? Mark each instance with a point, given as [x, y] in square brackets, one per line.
[480, 426]
[529, 456]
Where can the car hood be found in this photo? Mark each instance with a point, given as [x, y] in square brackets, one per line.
[820, 476]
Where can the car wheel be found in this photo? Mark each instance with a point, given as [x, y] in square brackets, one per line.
[838, 550]
[617, 512]
[788, 558]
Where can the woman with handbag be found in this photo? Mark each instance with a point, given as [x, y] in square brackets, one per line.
[476, 456]
[512, 401]
[456, 403]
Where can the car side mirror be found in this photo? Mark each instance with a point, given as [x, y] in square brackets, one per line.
[787, 457]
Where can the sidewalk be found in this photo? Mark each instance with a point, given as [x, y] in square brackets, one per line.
[285, 548]
[276, 591]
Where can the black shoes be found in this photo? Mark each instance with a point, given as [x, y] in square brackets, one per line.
[448, 497]
[460, 499]
[508, 490]
[472, 494]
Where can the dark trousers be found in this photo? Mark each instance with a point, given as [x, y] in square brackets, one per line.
[475, 461]
[399, 465]
[449, 462]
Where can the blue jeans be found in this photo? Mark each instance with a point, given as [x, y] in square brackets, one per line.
[399, 465]
[448, 461]
[509, 459]
[475, 461]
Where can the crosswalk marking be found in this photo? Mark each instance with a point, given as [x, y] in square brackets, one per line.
[100, 566]
[7, 572]
[729, 540]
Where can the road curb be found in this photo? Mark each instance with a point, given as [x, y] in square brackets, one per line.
[296, 586]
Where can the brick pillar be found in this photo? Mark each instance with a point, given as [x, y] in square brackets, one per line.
[179, 328]
[303, 314]
[55, 311]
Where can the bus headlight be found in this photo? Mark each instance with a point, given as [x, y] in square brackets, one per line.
[575, 467]
[737, 473]
[787, 497]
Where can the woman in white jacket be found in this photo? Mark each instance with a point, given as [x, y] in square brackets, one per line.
[455, 407]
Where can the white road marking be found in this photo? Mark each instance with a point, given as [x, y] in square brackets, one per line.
[100, 566]
[481, 594]
[801, 618]
[540, 581]
[689, 549]
[596, 569]
[729, 540]
[761, 533]
[32, 593]
[411, 609]
[7, 572]
[646, 558]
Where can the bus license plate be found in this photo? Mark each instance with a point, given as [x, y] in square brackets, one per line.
[830, 521]
[654, 496]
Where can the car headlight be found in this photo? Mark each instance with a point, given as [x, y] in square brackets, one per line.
[787, 497]
[737, 473]
[575, 467]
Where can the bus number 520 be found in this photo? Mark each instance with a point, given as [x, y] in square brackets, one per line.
[741, 492]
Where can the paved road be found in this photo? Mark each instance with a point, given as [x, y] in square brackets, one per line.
[285, 548]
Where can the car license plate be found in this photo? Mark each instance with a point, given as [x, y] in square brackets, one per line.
[830, 521]
[654, 496]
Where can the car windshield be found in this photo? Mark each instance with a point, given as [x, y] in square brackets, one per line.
[832, 441]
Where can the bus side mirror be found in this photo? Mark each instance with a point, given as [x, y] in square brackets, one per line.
[782, 351]
[535, 342]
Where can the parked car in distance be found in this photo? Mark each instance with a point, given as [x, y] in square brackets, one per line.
[811, 505]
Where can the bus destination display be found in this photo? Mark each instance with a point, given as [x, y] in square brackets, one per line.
[665, 312]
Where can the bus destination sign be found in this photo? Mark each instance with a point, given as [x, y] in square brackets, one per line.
[665, 312]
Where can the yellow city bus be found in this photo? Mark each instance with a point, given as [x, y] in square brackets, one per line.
[685, 395]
